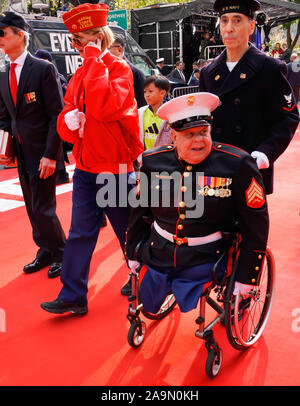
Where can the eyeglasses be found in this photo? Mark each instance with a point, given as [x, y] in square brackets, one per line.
[2, 33]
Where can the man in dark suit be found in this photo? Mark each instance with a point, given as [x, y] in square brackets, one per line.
[177, 74]
[63, 176]
[258, 112]
[30, 101]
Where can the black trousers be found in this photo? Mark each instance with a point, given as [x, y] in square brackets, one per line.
[40, 200]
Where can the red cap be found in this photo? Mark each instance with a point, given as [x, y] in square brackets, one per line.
[86, 17]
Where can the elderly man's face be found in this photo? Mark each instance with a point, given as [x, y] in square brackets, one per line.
[11, 42]
[194, 144]
[235, 29]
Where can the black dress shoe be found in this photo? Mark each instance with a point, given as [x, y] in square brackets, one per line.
[54, 270]
[61, 307]
[126, 289]
[37, 264]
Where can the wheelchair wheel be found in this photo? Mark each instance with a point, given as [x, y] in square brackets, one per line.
[165, 309]
[213, 363]
[245, 319]
[136, 333]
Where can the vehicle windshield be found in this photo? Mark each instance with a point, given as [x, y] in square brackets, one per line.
[141, 62]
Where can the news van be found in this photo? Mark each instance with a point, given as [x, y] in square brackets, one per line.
[51, 34]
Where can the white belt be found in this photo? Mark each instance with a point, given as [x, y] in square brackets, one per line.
[191, 241]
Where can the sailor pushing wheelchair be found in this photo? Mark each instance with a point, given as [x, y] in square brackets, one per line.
[182, 239]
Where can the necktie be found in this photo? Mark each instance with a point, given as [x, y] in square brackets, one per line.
[182, 76]
[13, 82]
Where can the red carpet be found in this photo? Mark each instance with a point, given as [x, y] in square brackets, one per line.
[37, 348]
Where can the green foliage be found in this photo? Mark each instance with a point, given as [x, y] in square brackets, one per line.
[3, 5]
[131, 4]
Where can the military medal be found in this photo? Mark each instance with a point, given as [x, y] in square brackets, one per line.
[205, 190]
[30, 97]
[222, 192]
[214, 186]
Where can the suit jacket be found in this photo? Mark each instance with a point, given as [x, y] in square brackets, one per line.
[138, 82]
[227, 187]
[257, 110]
[32, 122]
[174, 74]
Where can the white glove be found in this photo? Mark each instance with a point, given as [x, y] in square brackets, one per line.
[133, 265]
[262, 160]
[242, 288]
[72, 120]
[75, 120]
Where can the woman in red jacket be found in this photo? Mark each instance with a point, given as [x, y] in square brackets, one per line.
[100, 118]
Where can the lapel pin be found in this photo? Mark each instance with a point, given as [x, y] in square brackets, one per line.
[243, 75]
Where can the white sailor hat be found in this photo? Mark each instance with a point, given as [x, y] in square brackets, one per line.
[190, 110]
[159, 60]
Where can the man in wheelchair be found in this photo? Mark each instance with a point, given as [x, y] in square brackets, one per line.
[189, 194]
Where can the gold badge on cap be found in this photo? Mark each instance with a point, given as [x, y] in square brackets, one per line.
[217, 77]
[190, 100]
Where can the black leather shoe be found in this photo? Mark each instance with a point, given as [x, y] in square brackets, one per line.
[61, 307]
[126, 289]
[54, 270]
[37, 265]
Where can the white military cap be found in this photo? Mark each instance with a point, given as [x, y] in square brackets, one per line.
[190, 110]
[159, 60]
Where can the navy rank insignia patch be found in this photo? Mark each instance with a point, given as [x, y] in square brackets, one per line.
[255, 195]
[288, 99]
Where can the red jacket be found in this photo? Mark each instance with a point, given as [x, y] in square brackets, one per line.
[103, 90]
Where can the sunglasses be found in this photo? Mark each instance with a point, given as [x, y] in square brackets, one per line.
[2, 33]
[74, 40]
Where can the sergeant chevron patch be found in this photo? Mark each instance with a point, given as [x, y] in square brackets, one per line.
[255, 195]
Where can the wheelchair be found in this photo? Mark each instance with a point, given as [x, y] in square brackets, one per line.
[244, 318]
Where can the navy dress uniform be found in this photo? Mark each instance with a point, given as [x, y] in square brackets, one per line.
[258, 111]
[179, 248]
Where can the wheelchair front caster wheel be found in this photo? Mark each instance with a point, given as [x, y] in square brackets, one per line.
[213, 363]
[136, 333]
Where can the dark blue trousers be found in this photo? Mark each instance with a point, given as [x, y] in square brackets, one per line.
[85, 226]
